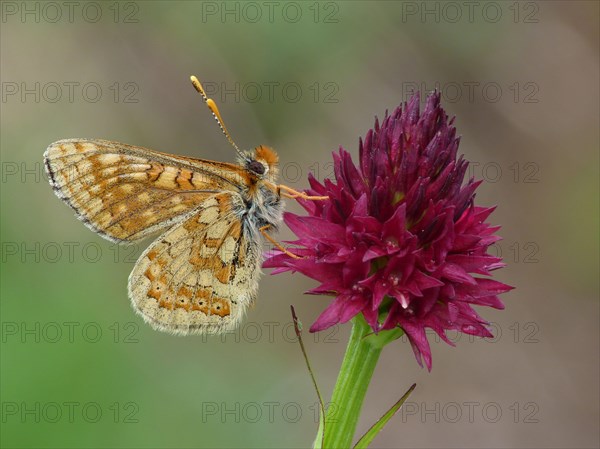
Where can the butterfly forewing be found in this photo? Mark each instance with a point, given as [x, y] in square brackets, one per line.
[201, 275]
[125, 192]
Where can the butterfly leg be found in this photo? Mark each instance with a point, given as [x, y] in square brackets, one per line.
[291, 193]
[263, 231]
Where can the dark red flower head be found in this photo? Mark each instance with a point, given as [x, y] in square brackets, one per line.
[399, 239]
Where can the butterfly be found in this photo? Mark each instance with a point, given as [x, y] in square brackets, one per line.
[201, 274]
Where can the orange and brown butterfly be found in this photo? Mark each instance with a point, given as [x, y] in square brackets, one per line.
[201, 274]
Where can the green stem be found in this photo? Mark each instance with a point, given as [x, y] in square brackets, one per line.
[355, 375]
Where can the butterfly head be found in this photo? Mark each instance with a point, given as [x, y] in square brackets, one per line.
[264, 163]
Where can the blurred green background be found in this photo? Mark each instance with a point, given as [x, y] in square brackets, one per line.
[80, 369]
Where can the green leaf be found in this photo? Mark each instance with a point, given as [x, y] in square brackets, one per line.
[318, 444]
[368, 437]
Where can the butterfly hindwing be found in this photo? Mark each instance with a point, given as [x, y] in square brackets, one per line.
[124, 192]
[201, 275]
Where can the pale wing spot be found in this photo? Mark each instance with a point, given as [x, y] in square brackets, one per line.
[87, 147]
[109, 159]
[205, 278]
[191, 278]
[179, 208]
[210, 202]
[201, 179]
[109, 172]
[176, 235]
[217, 230]
[136, 160]
[166, 180]
[222, 290]
[84, 165]
[207, 251]
[181, 246]
[135, 177]
[177, 273]
[209, 215]
[227, 250]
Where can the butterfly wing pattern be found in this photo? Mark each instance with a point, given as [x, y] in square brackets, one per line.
[126, 193]
[201, 273]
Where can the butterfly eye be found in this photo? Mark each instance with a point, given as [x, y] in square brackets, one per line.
[256, 167]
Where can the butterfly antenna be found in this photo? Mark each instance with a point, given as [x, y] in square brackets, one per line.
[216, 114]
